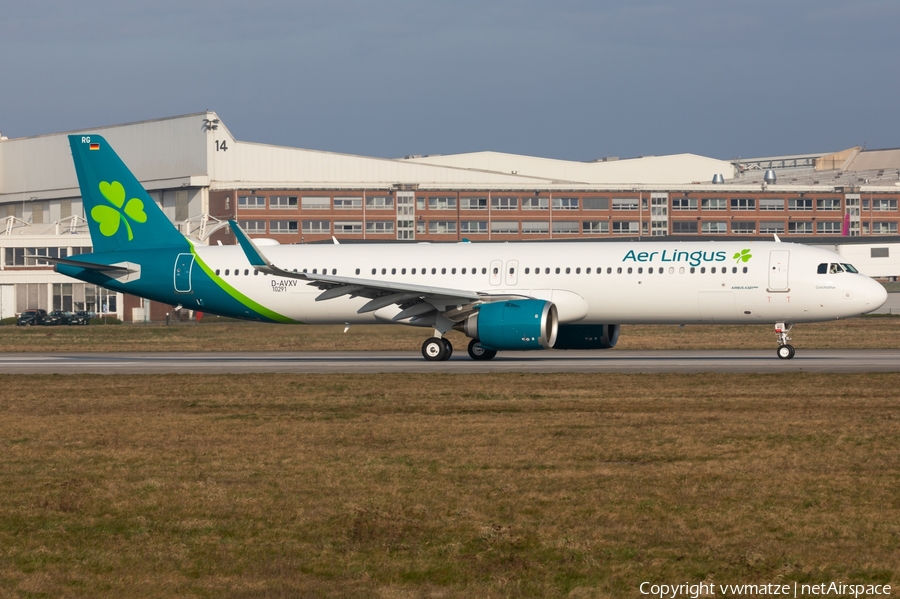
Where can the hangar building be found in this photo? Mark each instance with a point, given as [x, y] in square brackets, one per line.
[202, 176]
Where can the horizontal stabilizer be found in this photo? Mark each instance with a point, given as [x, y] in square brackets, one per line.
[104, 268]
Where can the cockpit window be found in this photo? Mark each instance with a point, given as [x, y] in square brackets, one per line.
[850, 268]
[823, 269]
[835, 268]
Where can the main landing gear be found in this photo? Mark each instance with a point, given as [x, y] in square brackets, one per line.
[477, 352]
[785, 350]
[437, 349]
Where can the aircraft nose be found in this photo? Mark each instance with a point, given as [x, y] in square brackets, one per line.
[874, 294]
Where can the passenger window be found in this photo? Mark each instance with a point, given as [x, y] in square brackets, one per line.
[745, 269]
[393, 271]
[483, 270]
[357, 271]
[609, 270]
[619, 270]
[671, 270]
[496, 270]
[557, 270]
[629, 270]
[433, 271]
[650, 271]
[402, 271]
[414, 271]
[693, 270]
[681, 270]
[443, 271]
[822, 269]
[568, 270]
[587, 270]
[226, 272]
[314, 271]
[255, 273]
[527, 270]
[384, 271]
[547, 271]
[578, 271]
[217, 272]
[453, 271]
[373, 271]
[512, 270]
[702, 270]
[640, 270]
[463, 271]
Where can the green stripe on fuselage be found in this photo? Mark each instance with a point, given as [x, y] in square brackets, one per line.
[258, 308]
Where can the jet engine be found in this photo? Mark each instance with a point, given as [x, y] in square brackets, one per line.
[587, 336]
[513, 325]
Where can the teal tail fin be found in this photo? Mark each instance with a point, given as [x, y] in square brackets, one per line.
[120, 213]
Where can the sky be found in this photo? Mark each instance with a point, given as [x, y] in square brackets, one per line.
[568, 79]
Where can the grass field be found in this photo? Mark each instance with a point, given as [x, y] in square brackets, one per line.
[870, 332]
[500, 485]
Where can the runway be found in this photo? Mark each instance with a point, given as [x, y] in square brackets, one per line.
[731, 361]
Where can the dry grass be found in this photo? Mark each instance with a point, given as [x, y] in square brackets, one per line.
[871, 332]
[497, 485]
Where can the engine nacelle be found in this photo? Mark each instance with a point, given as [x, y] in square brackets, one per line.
[513, 325]
[587, 336]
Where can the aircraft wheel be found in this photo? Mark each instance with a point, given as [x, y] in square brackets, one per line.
[434, 349]
[786, 352]
[477, 352]
[448, 348]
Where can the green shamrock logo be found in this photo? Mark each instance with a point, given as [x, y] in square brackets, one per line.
[742, 256]
[109, 218]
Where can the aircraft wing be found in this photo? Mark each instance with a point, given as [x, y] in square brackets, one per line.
[419, 304]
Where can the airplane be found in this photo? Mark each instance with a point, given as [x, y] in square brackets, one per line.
[503, 296]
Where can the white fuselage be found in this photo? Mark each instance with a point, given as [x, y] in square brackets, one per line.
[590, 283]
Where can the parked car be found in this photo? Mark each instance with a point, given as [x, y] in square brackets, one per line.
[82, 317]
[31, 317]
[59, 317]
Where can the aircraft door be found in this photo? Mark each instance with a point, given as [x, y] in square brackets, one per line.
[496, 273]
[778, 270]
[184, 264]
[512, 272]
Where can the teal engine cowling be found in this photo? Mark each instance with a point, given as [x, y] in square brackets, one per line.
[587, 336]
[513, 325]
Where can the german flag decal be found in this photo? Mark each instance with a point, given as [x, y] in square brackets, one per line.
[95, 146]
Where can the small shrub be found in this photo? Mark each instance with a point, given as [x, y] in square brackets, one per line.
[7, 321]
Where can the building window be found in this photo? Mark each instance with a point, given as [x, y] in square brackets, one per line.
[535, 227]
[505, 203]
[771, 204]
[316, 227]
[283, 227]
[884, 205]
[345, 203]
[771, 227]
[20, 256]
[684, 203]
[565, 203]
[348, 227]
[743, 204]
[504, 227]
[252, 202]
[473, 227]
[800, 204]
[315, 203]
[595, 227]
[743, 227]
[626, 226]
[624, 204]
[565, 227]
[714, 227]
[595, 204]
[879, 253]
[532, 203]
[800, 227]
[828, 227]
[687, 227]
[884, 228]
[828, 204]
[253, 226]
[283, 202]
[441, 226]
[713, 204]
[380, 227]
[473, 203]
[442, 203]
[377, 202]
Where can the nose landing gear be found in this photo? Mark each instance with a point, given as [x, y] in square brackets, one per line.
[785, 350]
